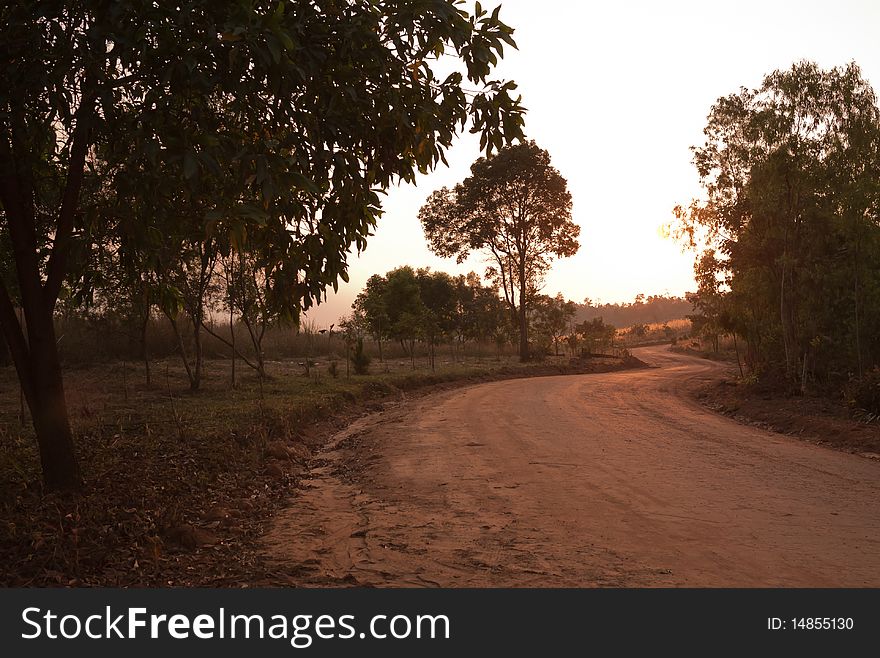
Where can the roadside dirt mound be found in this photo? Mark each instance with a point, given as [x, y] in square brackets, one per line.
[816, 419]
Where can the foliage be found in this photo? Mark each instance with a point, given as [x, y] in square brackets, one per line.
[864, 392]
[370, 308]
[712, 318]
[269, 124]
[791, 217]
[480, 313]
[360, 360]
[552, 317]
[515, 209]
[595, 334]
[402, 299]
[407, 306]
[438, 295]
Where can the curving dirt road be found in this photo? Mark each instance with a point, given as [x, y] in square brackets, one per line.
[614, 479]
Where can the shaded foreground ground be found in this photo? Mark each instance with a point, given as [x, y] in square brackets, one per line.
[617, 479]
[179, 485]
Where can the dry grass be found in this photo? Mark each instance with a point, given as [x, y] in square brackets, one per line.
[655, 333]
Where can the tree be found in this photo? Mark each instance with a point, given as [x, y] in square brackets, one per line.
[708, 300]
[278, 121]
[792, 178]
[437, 292]
[552, 317]
[480, 314]
[403, 302]
[595, 333]
[370, 305]
[193, 277]
[246, 285]
[514, 208]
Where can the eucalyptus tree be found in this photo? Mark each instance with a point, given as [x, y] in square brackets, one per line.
[276, 122]
[791, 172]
[515, 209]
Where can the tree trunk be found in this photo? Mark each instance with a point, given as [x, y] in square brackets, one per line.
[523, 316]
[738, 362]
[232, 340]
[523, 333]
[5, 357]
[379, 341]
[36, 359]
[783, 323]
[39, 371]
[144, 351]
[856, 306]
[55, 439]
[197, 348]
[189, 371]
[257, 343]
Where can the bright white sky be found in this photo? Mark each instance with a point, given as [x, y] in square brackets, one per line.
[617, 92]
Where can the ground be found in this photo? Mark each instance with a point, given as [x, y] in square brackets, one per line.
[179, 485]
[619, 479]
[814, 418]
[460, 477]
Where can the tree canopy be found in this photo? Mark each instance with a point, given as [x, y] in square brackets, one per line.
[791, 216]
[515, 209]
[275, 125]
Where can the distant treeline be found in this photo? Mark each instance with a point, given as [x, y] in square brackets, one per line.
[643, 310]
[421, 307]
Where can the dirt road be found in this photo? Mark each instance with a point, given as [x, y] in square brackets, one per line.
[615, 479]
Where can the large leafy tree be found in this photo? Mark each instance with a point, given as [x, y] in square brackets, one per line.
[514, 208]
[792, 178]
[278, 123]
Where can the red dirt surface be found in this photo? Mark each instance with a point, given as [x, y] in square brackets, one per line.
[615, 479]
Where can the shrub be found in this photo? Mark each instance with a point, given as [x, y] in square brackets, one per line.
[864, 393]
[333, 369]
[360, 360]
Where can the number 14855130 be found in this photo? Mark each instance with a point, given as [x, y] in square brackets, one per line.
[810, 624]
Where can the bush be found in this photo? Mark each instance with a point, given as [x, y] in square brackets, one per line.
[333, 369]
[538, 352]
[864, 393]
[360, 360]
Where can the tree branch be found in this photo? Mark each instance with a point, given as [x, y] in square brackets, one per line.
[57, 267]
[229, 345]
[19, 210]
